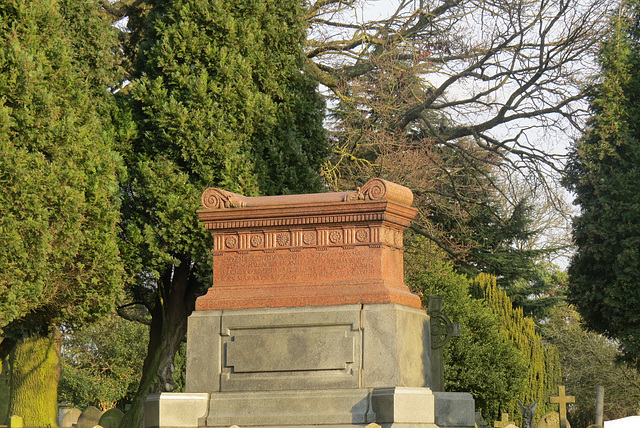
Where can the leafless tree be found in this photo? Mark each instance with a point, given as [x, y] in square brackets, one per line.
[494, 84]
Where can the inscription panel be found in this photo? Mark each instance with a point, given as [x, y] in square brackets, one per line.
[291, 348]
[291, 267]
[294, 349]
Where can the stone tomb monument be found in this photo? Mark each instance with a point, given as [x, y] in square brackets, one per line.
[308, 321]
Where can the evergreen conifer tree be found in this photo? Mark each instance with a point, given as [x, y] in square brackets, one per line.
[58, 208]
[218, 98]
[604, 174]
[542, 361]
[481, 361]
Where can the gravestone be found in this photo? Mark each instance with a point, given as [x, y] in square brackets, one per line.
[89, 417]
[15, 422]
[550, 420]
[71, 417]
[111, 418]
[504, 422]
[442, 330]
[562, 400]
[308, 321]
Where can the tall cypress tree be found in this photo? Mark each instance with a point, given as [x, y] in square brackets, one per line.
[604, 174]
[58, 208]
[219, 98]
[543, 364]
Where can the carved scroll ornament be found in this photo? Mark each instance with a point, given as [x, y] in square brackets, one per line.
[213, 198]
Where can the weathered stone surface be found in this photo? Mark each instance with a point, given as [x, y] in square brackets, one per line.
[282, 408]
[396, 347]
[111, 418]
[308, 250]
[308, 348]
[71, 417]
[404, 406]
[550, 420]
[89, 417]
[454, 409]
[204, 351]
[168, 410]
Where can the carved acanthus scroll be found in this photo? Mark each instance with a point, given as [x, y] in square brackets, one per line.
[213, 198]
[378, 188]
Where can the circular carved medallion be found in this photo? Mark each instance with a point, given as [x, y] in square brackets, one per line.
[309, 238]
[362, 235]
[335, 236]
[283, 239]
[256, 240]
[231, 242]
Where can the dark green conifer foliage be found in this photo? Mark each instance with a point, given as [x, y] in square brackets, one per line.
[481, 361]
[58, 207]
[542, 361]
[218, 98]
[604, 174]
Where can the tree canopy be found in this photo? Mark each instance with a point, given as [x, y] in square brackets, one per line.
[59, 260]
[604, 174]
[58, 206]
[217, 97]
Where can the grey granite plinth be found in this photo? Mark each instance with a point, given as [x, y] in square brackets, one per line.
[167, 410]
[310, 348]
[336, 366]
[454, 409]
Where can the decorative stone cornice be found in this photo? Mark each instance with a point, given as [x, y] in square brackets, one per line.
[375, 189]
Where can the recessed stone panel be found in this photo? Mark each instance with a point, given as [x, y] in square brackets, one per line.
[291, 348]
[287, 350]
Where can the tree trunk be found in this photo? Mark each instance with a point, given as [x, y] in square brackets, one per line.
[4, 391]
[168, 330]
[35, 372]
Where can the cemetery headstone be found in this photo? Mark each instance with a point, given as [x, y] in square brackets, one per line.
[71, 417]
[600, 406]
[562, 400]
[442, 330]
[89, 417]
[15, 422]
[550, 420]
[111, 418]
[504, 422]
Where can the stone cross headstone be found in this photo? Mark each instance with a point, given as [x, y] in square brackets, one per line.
[442, 329]
[562, 400]
[89, 417]
[504, 422]
[16, 422]
[111, 418]
[71, 417]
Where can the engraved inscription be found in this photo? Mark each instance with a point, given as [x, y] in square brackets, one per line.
[289, 267]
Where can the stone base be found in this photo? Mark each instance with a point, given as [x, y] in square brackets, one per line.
[167, 410]
[454, 409]
[387, 407]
